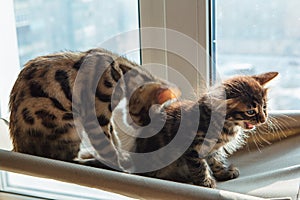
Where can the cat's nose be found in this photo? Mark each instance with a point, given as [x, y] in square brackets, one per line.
[261, 119]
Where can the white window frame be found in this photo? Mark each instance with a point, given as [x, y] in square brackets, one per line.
[8, 53]
[194, 18]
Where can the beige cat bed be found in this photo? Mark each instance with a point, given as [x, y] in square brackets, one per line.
[269, 172]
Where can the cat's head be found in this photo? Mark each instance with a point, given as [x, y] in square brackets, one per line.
[147, 95]
[246, 98]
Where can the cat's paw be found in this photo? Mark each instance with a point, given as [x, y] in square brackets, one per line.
[233, 172]
[230, 173]
[207, 182]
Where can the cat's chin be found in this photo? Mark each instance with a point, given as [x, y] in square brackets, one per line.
[248, 126]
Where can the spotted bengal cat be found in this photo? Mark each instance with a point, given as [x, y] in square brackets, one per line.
[56, 97]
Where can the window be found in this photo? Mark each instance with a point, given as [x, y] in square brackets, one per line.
[51, 26]
[240, 45]
[39, 27]
[254, 36]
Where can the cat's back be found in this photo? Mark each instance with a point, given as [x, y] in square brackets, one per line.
[41, 106]
[42, 79]
[50, 77]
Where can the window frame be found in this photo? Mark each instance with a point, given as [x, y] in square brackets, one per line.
[8, 52]
[158, 14]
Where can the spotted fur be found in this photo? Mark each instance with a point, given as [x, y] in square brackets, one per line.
[204, 161]
[55, 93]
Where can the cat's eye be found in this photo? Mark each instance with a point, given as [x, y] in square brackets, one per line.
[250, 112]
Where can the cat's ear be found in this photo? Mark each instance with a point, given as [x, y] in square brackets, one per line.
[265, 78]
[165, 94]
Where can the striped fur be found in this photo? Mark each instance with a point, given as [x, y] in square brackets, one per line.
[216, 137]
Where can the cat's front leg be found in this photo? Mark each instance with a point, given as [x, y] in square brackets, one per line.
[222, 171]
[200, 170]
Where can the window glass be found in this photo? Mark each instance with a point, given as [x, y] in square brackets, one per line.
[50, 26]
[254, 36]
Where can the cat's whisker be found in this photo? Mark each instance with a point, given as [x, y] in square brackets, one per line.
[248, 147]
[280, 131]
[287, 117]
[254, 140]
[279, 126]
[259, 141]
[284, 119]
[257, 137]
[272, 128]
[282, 123]
[263, 139]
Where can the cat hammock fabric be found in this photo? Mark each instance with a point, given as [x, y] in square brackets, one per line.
[272, 171]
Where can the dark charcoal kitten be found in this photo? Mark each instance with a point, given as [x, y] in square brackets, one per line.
[220, 131]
